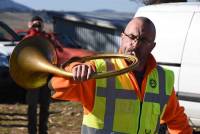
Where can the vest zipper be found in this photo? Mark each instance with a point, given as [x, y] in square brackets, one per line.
[139, 117]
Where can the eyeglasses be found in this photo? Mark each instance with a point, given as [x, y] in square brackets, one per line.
[133, 39]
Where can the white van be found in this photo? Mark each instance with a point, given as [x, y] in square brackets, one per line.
[178, 48]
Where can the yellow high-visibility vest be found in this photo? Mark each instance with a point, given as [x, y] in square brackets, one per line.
[117, 109]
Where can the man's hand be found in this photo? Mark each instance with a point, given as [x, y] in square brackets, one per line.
[82, 72]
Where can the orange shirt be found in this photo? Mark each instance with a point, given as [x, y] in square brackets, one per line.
[84, 92]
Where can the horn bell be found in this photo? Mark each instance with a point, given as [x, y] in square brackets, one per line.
[30, 62]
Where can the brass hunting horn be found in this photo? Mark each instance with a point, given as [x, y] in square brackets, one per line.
[34, 58]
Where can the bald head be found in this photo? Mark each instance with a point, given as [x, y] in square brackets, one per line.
[138, 39]
[143, 24]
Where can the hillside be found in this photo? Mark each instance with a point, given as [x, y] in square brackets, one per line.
[18, 20]
[9, 5]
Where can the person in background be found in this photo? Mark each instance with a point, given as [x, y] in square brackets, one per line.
[136, 102]
[42, 95]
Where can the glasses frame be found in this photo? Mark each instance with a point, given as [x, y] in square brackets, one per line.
[134, 39]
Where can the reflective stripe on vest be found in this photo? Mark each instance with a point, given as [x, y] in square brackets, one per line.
[110, 93]
[161, 98]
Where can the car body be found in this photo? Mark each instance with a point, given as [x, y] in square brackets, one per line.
[177, 48]
[9, 91]
[8, 41]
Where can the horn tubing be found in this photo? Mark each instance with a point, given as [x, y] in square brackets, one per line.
[34, 58]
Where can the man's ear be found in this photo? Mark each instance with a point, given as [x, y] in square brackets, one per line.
[153, 45]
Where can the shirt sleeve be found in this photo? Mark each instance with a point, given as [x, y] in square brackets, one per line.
[175, 118]
[68, 89]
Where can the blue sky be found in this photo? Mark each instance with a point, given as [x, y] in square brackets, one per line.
[82, 5]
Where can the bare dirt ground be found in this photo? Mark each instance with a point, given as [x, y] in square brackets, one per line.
[65, 118]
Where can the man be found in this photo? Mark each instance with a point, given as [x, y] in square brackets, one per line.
[132, 103]
[36, 26]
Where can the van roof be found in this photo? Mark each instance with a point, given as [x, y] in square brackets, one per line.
[179, 6]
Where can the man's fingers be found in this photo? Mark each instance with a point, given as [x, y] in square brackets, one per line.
[89, 72]
[81, 72]
[74, 72]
